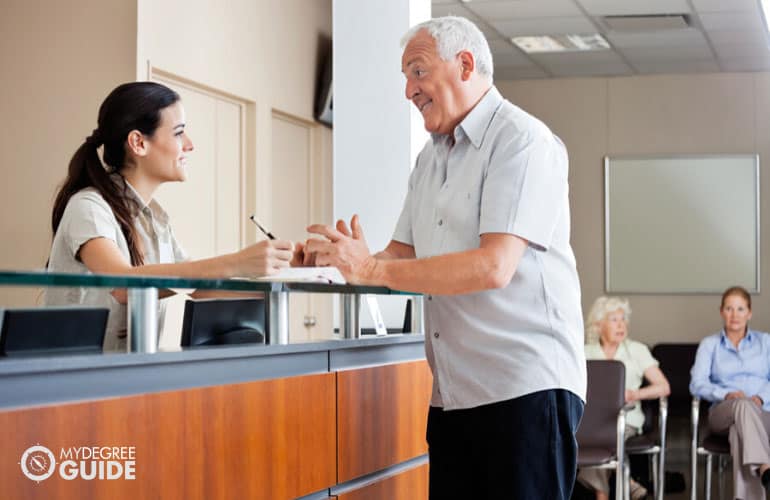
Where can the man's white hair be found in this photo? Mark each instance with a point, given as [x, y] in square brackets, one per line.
[602, 307]
[453, 35]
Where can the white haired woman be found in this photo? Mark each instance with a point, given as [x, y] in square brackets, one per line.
[607, 338]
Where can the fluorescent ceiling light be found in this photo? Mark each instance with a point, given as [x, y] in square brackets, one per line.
[562, 43]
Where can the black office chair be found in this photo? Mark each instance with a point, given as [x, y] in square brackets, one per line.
[601, 436]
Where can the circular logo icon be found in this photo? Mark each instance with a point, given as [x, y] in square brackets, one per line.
[38, 463]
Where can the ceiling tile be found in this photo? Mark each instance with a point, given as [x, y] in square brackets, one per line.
[746, 64]
[693, 66]
[453, 9]
[458, 10]
[544, 26]
[511, 58]
[593, 57]
[667, 54]
[631, 7]
[745, 37]
[501, 10]
[519, 73]
[737, 50]
[714, 21]
[599, 69]
[500, 45]
[724, 5]
[686, 37]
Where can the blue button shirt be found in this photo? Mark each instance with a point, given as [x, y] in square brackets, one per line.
[721, 368]
[501, 171]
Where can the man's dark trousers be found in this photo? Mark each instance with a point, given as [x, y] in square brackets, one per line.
[520, 449]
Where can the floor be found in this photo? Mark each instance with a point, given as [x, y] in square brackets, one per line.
[678, 459]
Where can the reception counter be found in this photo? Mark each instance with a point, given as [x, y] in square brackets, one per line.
[342, 419]
[333, 419]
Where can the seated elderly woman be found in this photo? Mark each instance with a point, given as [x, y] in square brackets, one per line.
[732, 370]
[607, 338]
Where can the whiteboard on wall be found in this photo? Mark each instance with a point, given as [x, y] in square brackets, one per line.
[681, 224]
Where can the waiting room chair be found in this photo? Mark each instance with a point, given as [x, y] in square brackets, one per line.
[710, 445]
[675, 361]
[652, 442]
[602, 433]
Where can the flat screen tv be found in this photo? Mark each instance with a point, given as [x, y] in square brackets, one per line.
[324, 108]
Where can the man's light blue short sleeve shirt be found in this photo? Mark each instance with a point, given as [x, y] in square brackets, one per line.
[505, 173]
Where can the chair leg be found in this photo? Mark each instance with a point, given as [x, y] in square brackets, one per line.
[654, 472]
[693, 475]
[627, 480]
[707, 485]
[722, 465]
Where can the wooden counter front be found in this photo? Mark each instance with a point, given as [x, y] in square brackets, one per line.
[381, 412]
[272, 439]
[408, 485]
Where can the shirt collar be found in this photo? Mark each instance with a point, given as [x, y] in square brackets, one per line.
[748, 338]
[153, 207]
[477, 121]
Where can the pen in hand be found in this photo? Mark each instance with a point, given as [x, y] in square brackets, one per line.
[264, 231]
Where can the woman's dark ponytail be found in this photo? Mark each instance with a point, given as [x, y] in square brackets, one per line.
[131, 106]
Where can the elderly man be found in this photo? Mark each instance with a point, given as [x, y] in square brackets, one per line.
[484, 234]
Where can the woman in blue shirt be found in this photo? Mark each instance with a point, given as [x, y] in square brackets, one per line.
[732, 370]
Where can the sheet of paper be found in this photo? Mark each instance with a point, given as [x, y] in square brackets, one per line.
[307, 274]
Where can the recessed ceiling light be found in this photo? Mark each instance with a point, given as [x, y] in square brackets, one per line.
[561, 43]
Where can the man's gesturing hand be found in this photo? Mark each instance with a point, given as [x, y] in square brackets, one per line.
[346, 249]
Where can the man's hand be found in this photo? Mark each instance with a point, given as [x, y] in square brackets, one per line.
[757, 400]
[344, 248]
[735, 395]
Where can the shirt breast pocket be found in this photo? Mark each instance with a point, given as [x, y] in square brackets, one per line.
[165, 253]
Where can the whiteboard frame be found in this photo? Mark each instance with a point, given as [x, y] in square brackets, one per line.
[607, 255]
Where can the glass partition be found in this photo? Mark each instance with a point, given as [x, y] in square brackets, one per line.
[142, 297]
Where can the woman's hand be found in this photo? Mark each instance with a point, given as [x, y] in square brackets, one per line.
[735, 395]
[757, 400]
[632, 395]
[264, 258]
[298, 258]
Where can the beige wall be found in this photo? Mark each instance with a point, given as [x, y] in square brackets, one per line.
[711, 113]
[262, 51]
[58, 60]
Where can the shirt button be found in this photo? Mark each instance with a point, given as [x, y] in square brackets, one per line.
[435, 335]
[440, 222]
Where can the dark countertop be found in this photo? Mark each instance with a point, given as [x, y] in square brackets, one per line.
[59, 379]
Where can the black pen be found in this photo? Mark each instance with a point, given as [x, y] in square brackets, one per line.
[265, 231]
